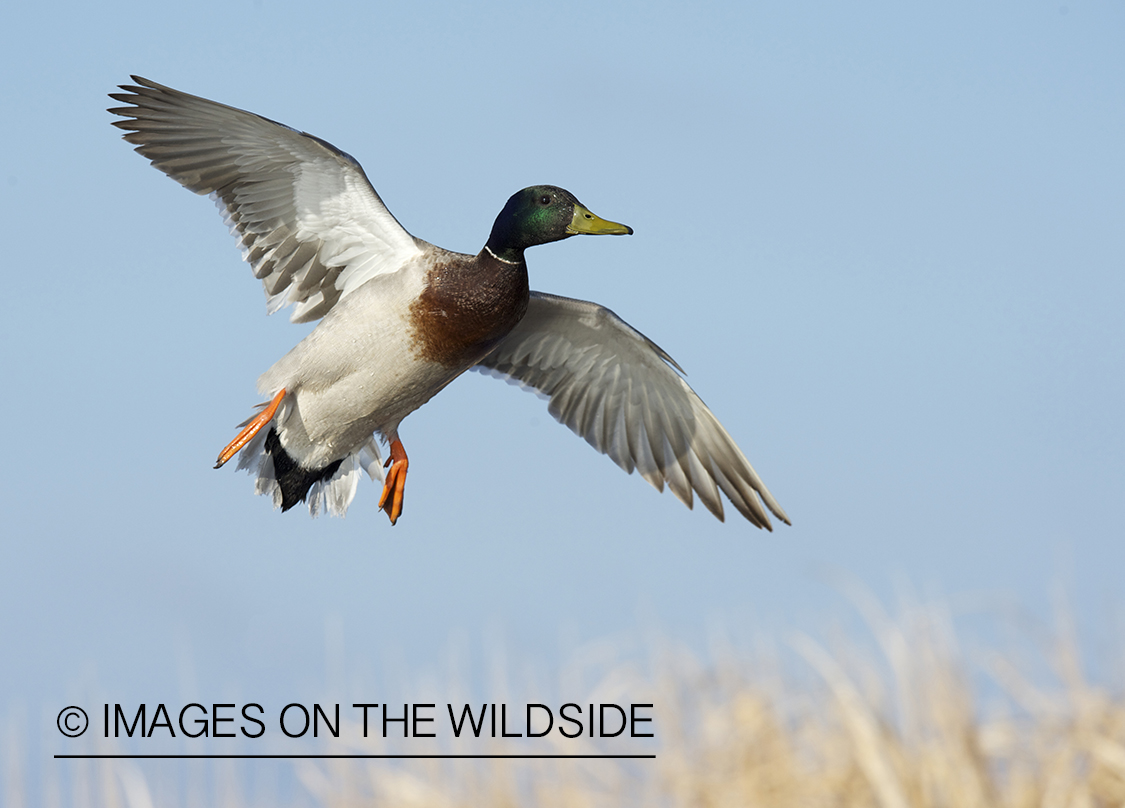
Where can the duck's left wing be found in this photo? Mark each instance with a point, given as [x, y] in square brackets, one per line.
[616, 388]
[305, 215]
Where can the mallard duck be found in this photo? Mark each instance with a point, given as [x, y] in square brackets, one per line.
[400, 319]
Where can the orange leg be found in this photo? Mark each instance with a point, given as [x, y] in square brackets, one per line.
[395, 484]
[251, 429]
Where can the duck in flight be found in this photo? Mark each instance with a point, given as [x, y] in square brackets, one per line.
[401, 318]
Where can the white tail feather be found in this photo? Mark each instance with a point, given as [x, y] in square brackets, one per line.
[332, 495]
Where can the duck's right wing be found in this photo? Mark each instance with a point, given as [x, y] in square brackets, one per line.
[305, 215]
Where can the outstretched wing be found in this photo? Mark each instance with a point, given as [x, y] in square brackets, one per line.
[306, 217]
[616, 388]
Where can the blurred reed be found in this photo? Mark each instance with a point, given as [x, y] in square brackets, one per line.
[912, 720]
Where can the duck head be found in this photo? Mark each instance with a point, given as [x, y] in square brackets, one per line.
[542, 214]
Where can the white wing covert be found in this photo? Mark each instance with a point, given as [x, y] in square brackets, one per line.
[305, 215]
[616, 388]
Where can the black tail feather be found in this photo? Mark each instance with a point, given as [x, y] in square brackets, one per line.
[293, 479]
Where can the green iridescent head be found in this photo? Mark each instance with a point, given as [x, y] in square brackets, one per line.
[541, 214]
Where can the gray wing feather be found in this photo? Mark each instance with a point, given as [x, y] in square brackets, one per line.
[306, 217]
[616, 388]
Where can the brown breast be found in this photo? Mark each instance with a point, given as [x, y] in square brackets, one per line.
[469, 304]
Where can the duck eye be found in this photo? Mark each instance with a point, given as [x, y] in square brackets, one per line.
[545, 200]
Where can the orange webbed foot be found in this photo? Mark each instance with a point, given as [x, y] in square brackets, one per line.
[253, 426]
[395, 483]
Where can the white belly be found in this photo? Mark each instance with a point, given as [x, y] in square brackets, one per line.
[357, 373]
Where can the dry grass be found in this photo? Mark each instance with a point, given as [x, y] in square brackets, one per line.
[903, 725]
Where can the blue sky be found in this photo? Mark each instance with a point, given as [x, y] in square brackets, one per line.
[885, 241]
